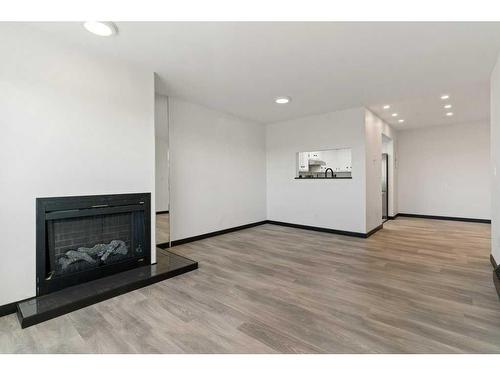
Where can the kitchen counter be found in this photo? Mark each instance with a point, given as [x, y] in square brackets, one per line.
[323, 178]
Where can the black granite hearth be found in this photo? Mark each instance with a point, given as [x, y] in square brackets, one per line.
[49, 306]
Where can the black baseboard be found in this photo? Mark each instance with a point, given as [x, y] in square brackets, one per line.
[163, 245]
[452, 218]
[493, 262]
[10, 308]
[299, 226]
[374, 230]
[216, 233]
[496, 274]
[496, 282]
[162, 212]
[326, 230]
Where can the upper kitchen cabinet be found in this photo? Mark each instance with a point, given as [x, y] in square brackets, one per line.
[344, 163]
[303, 161]
[324, 164]
[314, 155]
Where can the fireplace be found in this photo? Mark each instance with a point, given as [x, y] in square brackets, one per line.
[79, 239]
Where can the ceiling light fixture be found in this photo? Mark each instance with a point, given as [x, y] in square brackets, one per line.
[387, 106]
[449, 114]
[401, 120]
[394, 115]
[282, 100]
[448, 106]
[101, 28]
[444, 97]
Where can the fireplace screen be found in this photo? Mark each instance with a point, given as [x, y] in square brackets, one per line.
[83, 238]
[81, 244]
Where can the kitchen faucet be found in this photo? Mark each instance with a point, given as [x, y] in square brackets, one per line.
[326, 172]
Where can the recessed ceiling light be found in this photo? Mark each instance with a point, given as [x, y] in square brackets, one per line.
[449, 114]
[401, 120]
[101, 28]
[444, 97]
[448, 106]
[394, 115]
[387, 106]
[282, 100]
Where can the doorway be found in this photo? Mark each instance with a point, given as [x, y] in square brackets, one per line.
[385, 187]
[162, 172]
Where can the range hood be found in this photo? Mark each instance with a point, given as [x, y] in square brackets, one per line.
[316, 162]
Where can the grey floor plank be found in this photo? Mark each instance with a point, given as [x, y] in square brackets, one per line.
[417, 286]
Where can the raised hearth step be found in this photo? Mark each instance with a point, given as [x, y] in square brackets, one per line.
[49, 306]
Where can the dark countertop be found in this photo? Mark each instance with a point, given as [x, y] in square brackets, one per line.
[323, 178]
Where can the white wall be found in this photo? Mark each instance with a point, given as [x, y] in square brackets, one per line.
[218, 170]
[444, 171]
[161, 152]
[495, 162]
[373, 155]
[391, 149]
[335, 204]
[375, 128]
[71, 124]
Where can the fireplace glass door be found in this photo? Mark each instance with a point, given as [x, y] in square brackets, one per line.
[82, 238]
[86, 243]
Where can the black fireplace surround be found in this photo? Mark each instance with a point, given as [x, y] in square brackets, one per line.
[79, 239]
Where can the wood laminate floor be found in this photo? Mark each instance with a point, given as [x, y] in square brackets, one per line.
[417, 286]
[162, 228]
